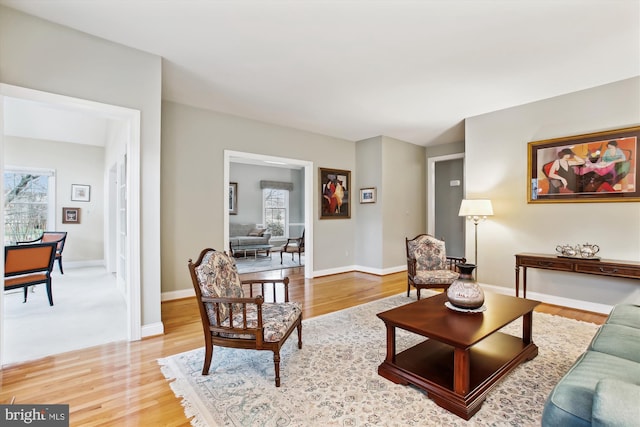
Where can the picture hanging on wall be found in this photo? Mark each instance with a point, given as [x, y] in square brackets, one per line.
[595, 167]
[368, 195]
[80, 193]
[335, 186]
[71, 215]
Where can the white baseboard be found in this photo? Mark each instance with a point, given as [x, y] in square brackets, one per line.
[83, 264]
[182, 293]
[152, 330]
[555, 300]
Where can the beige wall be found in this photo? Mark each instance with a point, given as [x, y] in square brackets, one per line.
[38, 54]
[496, 168]
[73, 164]
[397, 170]
[193, 144]
[403, 198]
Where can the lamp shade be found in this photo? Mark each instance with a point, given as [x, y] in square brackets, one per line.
[479, 208]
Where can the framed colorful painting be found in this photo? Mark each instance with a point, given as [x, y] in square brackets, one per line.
[334, 191]
[595, 167]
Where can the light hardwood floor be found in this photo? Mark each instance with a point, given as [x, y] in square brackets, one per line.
[121, 383]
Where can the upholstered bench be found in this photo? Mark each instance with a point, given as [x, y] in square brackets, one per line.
[602, 388]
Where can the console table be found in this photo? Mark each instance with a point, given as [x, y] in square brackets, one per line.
[601, 267]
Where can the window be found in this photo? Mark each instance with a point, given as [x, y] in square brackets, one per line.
[29, 204]
[276, 211]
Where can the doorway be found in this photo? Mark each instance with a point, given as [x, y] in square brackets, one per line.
[445, 193]
[125, 126]
[242, 157]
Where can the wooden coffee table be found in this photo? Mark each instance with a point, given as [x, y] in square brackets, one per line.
[465, 356]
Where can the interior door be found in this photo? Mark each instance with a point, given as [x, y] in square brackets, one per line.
[448, 196]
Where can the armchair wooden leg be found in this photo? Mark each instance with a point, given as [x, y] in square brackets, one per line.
[60, 265]
[408, 288]
[300, 334]
[276, 363]
[280, 257]
[25, 294]
[208, 353]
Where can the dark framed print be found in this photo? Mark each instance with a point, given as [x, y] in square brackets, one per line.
[71, 215]
[335, 185]
[80, 193]
[233, 198]
[595, 167]
[368, 195]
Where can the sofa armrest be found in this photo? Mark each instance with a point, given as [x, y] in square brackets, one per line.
[615, 404]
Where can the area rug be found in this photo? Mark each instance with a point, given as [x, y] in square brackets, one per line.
[266, 263]
[333, 379]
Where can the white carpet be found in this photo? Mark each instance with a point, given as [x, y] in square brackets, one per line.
[88, 310]
[333, 379]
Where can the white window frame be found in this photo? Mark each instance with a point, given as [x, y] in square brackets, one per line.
[51, 194]
[286, 211]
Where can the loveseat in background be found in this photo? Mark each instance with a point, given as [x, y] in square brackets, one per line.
[247, 234]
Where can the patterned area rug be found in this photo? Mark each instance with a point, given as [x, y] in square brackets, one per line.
[333, 380]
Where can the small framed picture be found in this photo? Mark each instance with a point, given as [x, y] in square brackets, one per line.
[80, 193]
[71, 215]
[368, 195]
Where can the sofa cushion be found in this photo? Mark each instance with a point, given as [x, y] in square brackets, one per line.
[617, 340]
[625, 314]
[570, 402]
[277, 319]
[257, 232]
[615, 403]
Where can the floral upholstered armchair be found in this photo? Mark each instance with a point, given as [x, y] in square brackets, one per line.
[230, 318]
[428, 265]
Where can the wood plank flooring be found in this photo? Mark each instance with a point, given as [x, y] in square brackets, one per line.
[121, 383]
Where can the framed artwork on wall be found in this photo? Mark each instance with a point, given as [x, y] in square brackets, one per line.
[335, 186]
[80, 193]
[595, 167]
[233, 198]
[368, 195]
[71, 215]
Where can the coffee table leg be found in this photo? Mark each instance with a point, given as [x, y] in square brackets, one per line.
[461, 371]
[391, 344]
[527, 321]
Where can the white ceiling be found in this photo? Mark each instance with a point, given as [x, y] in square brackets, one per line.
[411, 70]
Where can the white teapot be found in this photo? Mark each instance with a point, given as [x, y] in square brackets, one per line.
[567, 250]
[588, 251]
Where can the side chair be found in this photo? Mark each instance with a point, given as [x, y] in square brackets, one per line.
[231, 318]
[28, 265]
[294, 246]
[51, 236]
[428, 266]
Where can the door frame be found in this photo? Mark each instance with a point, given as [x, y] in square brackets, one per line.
[231, 156]
[431, 187]
[131, 120]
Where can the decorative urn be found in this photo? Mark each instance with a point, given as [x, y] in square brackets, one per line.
[464, 292]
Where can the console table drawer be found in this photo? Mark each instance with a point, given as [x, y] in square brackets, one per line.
[559, 264]
[609, 270]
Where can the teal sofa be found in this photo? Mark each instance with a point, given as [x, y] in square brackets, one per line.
[602, 388]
